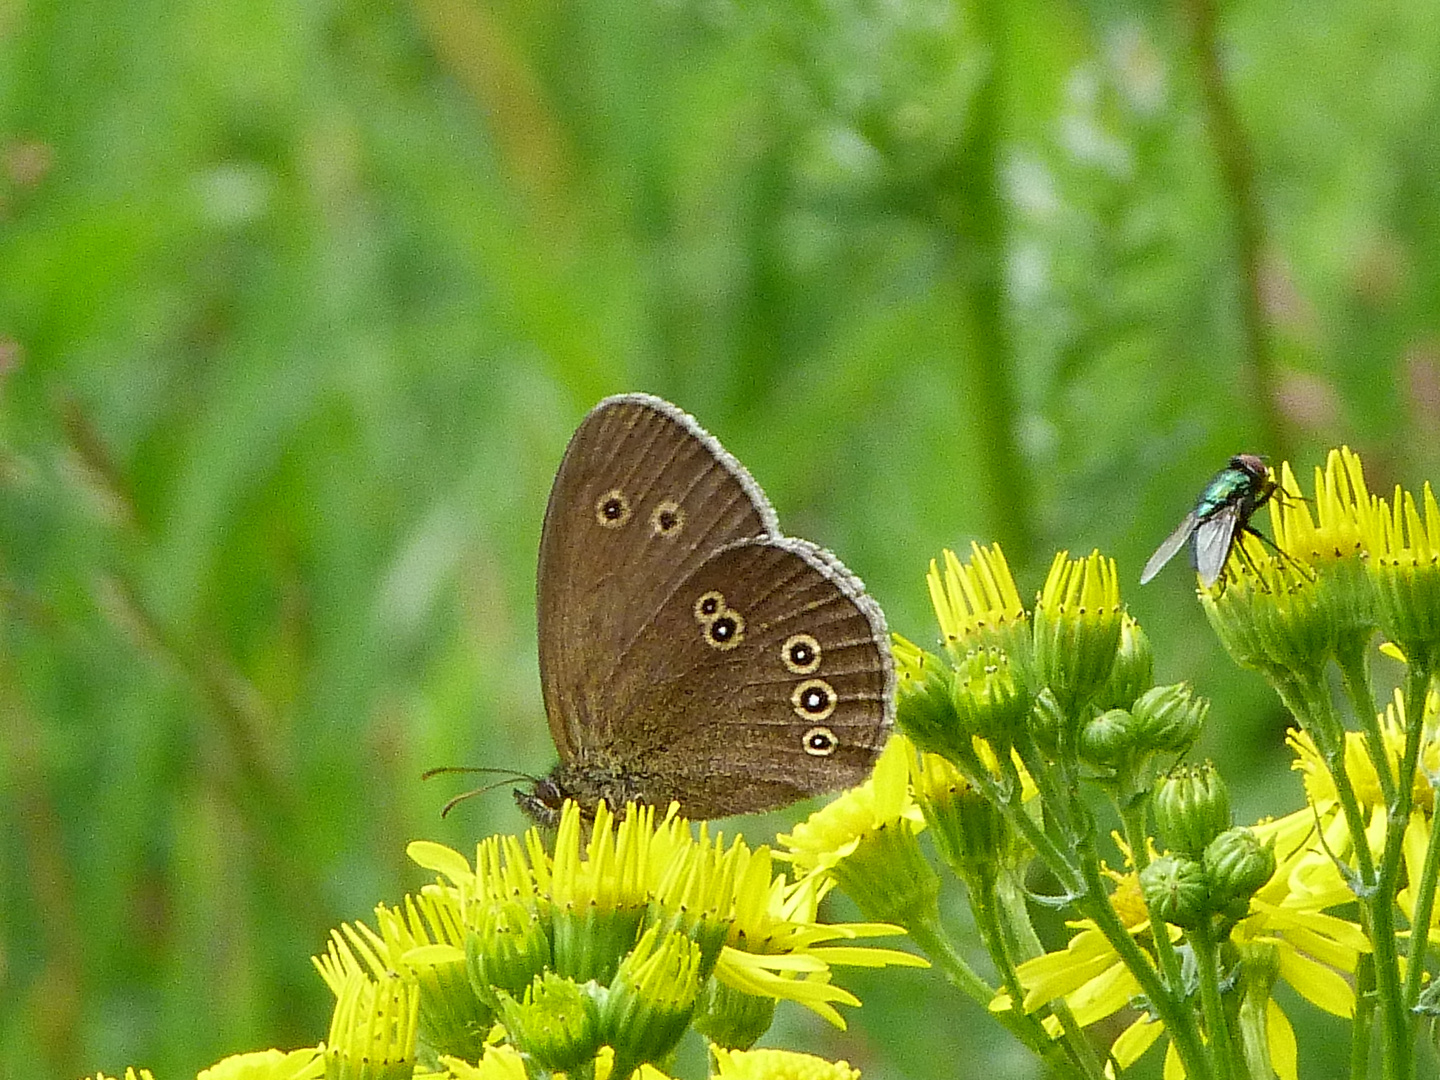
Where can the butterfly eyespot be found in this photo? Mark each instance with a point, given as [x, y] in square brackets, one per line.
[709, 605]
[667, 519]
[801, 654]
[612, 509]
[724, 631]
[819, 742]
[814, 699]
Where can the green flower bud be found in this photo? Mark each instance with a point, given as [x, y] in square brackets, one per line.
[1107, 741]
[1047, 723]
[1238, 865]
[1177, 890]
[925, 707]
[1192, 807]
[888, 876]
[1276, 619]
[589, 940]
[1077, 628]
[1405, 570]
[731, 1018]
[557, 1023]
[969, 831]
[1168, 719]
[989, 701]
[1134, 670]
[651, 1000]
[508, 950]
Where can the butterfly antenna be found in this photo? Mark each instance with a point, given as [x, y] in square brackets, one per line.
[458, 799]
[507, 776]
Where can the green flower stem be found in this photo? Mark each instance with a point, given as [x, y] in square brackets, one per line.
[1025, 945]
[1259, 968]
[1043, 776]
[1017, 917]
[1202, 940]
[1315, 711]
[1134, 821]
[925, 931]
[1420, 921]
[1399, 1027]
[984, 903]
[1363, 1026]
[1014, 810]
[1179, 1021]
[1355, 674]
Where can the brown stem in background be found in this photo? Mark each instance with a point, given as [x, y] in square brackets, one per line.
[1236, 161]
[53, 993]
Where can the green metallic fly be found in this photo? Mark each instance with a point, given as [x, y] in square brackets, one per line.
[1221, 516]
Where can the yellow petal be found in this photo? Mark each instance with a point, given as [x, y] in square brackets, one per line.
[1284, 1055]
[1107, 993]
[1173, 1069]
[1135, 1040]
[1317, 983]
[441, 859]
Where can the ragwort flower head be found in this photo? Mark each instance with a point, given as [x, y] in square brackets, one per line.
[1405, 569]
[1333, 540]
[865, 839]
[1078, 619]
[1334, 840]
[779, 1065]
[978, 605]
[674, 929]
[1272, 614]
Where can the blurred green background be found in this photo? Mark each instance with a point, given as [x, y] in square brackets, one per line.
[299, 304]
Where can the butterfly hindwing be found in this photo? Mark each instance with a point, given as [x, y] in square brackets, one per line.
[765, 678]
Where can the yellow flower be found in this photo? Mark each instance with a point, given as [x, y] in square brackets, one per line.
[505, 1063]
[780, 1065]
[1334, 837]
[145, 1074]
[1077, 627]
[777, 949]
[835, 831]
[1286, 915]
[1405, 569]
[977, 603]
[1336, 532]
[501, 1062]
[306, 1064]
[373, 1030]
[591, 901]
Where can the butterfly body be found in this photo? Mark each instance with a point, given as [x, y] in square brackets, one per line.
[1221, 515]
[689, 651]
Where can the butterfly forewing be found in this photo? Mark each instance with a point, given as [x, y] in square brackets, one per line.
[642, 498]
[765, 677]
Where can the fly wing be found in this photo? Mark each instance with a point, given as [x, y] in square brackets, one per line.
[1213, 539]
[1166, 551]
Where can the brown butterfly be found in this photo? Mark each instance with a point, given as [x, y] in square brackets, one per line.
[688, 650]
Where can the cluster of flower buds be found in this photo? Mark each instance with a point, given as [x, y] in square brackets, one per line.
[1070, 683]
[1211, 868]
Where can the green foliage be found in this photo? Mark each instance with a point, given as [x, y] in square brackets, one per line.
[299, 303]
